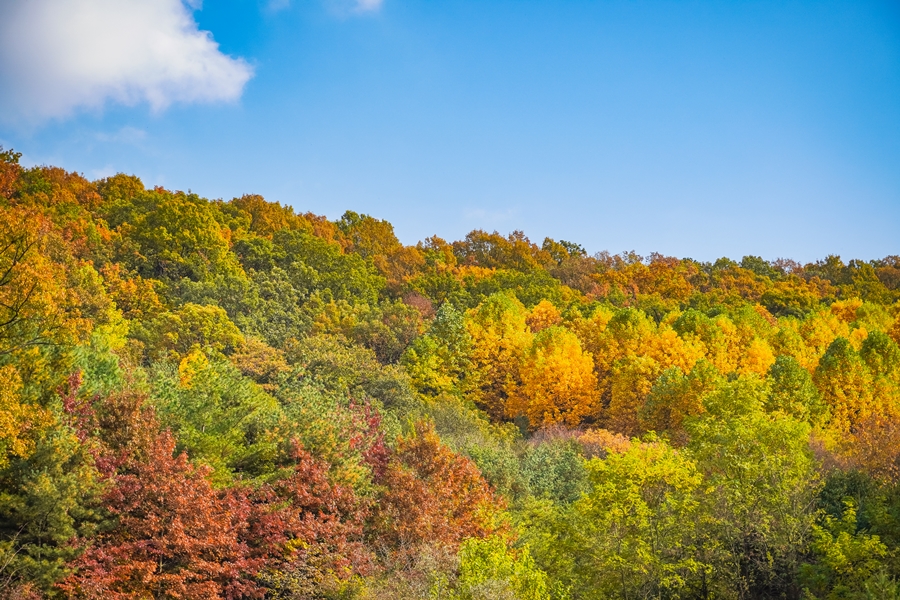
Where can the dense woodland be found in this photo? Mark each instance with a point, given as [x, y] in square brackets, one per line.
[228, 399]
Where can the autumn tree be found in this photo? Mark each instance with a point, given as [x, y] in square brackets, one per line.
[845, 383]
[431, 496]
[40, 305]
[557, 381]
[500, 338]
[173, 535]
[308, 530]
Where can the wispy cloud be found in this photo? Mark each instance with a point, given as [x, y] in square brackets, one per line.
[368, 5]
[102, 172]
[125, 135]
[349, 8]
[342, 8]
[491, 218]
[58, 56]
[277, 5]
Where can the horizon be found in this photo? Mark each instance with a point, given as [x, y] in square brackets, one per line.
[695, 130]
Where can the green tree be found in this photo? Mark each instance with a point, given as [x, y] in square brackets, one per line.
[488, 570]
[761, 481]
[635, 531]
[219, 417]
[845, 558]
[438, 360]
[793, 392]
[48, 505]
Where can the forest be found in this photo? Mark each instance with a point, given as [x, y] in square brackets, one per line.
[231, 399]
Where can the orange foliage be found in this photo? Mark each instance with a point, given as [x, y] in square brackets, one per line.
[557, 381]
[543, 316]
[632, 380]
[431, 496]
[134, 296]
[599, 442]
[175, 536]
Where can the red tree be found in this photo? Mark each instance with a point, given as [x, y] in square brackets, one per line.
[308, 530]
[174, 535]
[431, 495]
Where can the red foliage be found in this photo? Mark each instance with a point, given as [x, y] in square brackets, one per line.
[305, 519]
[371, 441]
[175, 536]
[431, 496]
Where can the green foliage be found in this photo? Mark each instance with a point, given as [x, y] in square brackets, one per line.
[48, 501]
[761, 482]
[882, 355]
[219, 417]
[555, 470]
[334, 364]
[437, 360]
[793, 392]
[172, 237]
[172, 334]
[489, 570]
[847, 560]
[634, 530]
[528, 287]
[676, 396]
[313, 264]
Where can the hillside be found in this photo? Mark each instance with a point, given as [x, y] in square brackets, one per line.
[229, 399]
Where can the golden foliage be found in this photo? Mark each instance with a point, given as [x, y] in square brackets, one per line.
[500, 338]
[542, 316]
[18, 419]
[558, 384]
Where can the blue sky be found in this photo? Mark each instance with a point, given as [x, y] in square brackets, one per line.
[699, 129]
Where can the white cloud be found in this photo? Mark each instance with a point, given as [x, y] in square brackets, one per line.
[57, 56]
[349, 8]
[368, 5]
[125, 135]
[278, 5]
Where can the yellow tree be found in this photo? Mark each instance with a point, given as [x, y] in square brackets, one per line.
[500, 337]
[542, 316]
[756, 358]
[611, 337]
[36, 305]
[18, 420]
[631, 382]
[49, 301]
[845, 384]
[591, 330]
[894, 331]
[820, 329]
[670, 350]
[557, 381]
[846, 310]
[718, 336]
[788, 341]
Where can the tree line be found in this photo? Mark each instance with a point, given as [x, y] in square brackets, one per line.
[230, 399]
